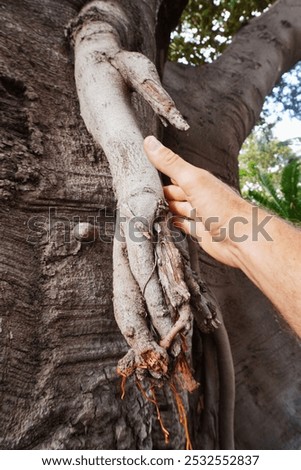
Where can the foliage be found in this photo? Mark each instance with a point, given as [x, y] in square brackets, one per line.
[285, 201]
[270, 175]
[206, 27]
[269, 170]
[263, 152]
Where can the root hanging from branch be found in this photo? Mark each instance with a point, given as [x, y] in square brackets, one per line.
[154, 401]
[180, 407]
[156, 294]
[122, 385]
[182, 415]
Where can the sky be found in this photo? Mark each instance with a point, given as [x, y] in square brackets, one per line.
[289, 128]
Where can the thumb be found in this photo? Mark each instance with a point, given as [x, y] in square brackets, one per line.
[168, 162]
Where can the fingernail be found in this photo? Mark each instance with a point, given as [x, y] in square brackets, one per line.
[152, 143]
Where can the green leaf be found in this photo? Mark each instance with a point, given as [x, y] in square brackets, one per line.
[290, 182]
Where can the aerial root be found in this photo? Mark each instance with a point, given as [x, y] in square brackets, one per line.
[164, 430]
[122, 385]
[185, 297]
[204, 307]
[182, 414]
[131, 317]
[153, 400]
[137, 71]
[150, 396]
[141, 75]
[184, 374]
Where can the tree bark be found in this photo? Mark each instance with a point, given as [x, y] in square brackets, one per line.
[59, 340]
[57, 318]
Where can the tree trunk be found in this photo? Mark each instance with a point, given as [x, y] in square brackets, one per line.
[60, 344]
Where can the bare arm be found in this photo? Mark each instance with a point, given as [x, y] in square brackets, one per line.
[233, 231]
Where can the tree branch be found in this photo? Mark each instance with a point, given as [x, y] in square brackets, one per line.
[260, 53]
[224, 99]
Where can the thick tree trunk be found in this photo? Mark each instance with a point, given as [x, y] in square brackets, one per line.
[59, 341]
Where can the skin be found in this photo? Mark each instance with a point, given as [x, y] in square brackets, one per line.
[226, 227]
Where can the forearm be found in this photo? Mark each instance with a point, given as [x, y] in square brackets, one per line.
[271, 259]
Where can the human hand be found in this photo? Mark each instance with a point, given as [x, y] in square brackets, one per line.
[204, 206]
[224, 225]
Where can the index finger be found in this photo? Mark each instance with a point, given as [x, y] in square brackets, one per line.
[168, 162]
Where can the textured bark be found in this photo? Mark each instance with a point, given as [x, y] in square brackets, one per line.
[58, 337]
[57, 319]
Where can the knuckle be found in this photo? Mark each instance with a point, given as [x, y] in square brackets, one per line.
[169, 156]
